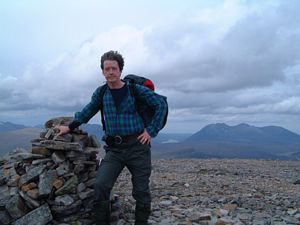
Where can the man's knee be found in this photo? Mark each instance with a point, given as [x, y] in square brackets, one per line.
[141, 190]
[142, 196]
[102, 190]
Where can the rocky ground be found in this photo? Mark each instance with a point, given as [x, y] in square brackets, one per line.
[217, 192]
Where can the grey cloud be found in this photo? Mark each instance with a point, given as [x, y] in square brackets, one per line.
[274, 99]
[253, 53]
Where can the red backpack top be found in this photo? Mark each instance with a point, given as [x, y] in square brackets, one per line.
[134, 79]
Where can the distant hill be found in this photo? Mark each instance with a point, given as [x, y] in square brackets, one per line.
[240, 141]
[17, 138]
[244, 133]
[93, 129]
[7, 126]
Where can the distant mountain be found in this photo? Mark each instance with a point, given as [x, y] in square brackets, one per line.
[17, 138]
[244, 133]
[240, 141]
[7, 126]
[93, 129]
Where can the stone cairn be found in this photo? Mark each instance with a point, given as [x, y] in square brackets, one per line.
[52, 184]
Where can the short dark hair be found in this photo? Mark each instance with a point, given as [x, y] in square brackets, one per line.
[113, 55]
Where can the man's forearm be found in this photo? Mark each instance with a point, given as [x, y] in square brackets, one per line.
[74, 125]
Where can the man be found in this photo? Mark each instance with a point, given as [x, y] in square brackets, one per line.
[127, 138]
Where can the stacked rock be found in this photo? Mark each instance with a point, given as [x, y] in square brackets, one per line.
[52, 184]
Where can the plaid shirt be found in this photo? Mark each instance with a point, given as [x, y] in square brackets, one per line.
[125, 120]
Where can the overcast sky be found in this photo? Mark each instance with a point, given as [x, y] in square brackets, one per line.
[216, 61]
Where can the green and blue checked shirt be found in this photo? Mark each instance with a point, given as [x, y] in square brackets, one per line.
[125, 120]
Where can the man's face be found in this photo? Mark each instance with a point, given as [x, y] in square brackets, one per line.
[111, 70]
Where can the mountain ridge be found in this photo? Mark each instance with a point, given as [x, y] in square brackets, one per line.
[240, 141]
[8, 126]
[222, 131]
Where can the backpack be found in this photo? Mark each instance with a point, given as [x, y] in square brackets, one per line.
[134, 79]
[144, 110]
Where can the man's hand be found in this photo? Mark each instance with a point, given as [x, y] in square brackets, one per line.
[144, 138]
[62, 130]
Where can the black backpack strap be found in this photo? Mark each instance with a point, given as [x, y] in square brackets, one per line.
[134, 94]
[101, 94]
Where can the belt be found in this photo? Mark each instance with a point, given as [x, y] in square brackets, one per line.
[117, 140]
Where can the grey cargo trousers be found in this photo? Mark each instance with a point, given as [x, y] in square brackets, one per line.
[137, 158]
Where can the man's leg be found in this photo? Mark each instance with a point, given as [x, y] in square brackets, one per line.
[107, 174]
[139, 164]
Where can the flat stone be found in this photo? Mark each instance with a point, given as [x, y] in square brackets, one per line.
[49, 132]
[28, 187]
[222, 212]
[3, 201]
[34, 193]
[64, 200]
[290, 220]
[39, 216]
[40, 150]
[59, 145]
[90, 182]
[13, 191]
[81, 187]
[16, 207]
[86, 194]
[84, 162]
[220, 222]
[69, 187]
[3, 180]
[79, 168]
[63, 168]
[3, 189]
[71, 154]
[58, 157]
[230, 207]
[13, 180]
[40, 161]
[64, 138]
[25, 156]
[32, 174]
[4, 218]
[196, 217]
[66, 210]
[29, 201]
[37, 140]
[166, 203]
[46, 182]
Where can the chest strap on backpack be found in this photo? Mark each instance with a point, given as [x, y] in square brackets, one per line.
[101, 94]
